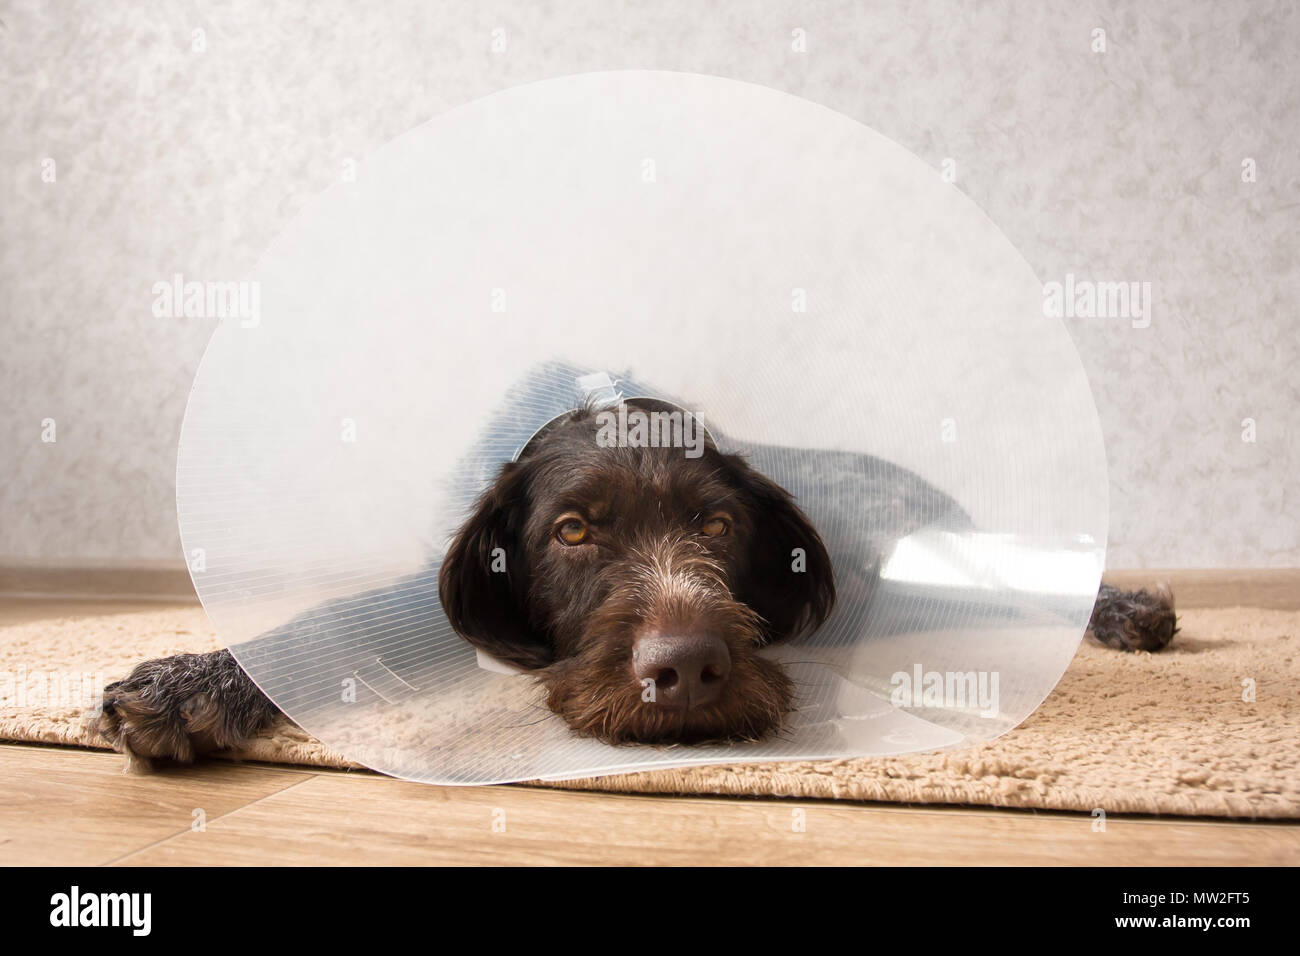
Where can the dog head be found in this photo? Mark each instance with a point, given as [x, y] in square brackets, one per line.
[638, 582]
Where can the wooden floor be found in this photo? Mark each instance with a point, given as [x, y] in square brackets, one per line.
[69, 807]
[61, 806]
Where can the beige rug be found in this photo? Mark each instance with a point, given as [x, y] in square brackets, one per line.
[1167, 733]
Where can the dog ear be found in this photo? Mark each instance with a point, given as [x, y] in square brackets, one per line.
[790, 580]
[483, 582]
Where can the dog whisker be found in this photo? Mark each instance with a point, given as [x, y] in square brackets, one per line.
[532, 723]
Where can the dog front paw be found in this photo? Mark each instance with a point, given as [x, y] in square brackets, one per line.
[178, 708]
[1135, 620]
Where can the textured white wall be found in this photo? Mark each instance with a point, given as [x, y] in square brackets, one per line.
[1125, 165]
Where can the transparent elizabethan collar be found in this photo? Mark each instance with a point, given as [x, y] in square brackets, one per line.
[823, 300]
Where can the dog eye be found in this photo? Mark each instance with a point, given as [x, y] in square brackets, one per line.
[571, 531]
[715, 527]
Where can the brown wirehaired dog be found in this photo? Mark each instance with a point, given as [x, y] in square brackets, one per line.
[638, 585]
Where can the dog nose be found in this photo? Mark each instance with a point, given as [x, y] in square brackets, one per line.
[688, 670]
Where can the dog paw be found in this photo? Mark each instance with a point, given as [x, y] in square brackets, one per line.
[162, 710]
[1136, 620]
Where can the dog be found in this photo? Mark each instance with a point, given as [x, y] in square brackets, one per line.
[639, 584]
